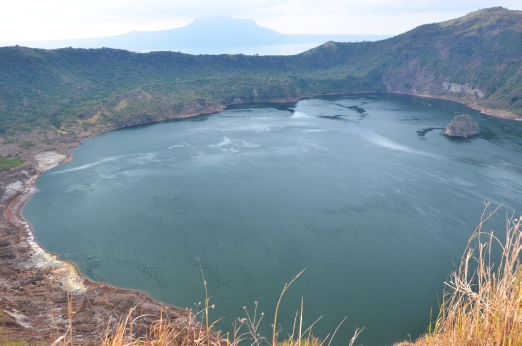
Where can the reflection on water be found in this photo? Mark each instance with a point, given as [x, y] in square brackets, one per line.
[363, 191]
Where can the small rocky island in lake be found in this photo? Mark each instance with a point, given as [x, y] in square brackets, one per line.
[462, 126]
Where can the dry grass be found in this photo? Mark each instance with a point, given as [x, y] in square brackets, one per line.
[483, 301]
[196, 330]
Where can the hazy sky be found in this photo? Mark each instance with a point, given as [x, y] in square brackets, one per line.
[56, 19]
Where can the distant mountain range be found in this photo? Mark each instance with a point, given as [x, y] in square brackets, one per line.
[206, 32]
[475, 59]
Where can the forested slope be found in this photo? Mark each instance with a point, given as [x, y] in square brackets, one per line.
[474, 59]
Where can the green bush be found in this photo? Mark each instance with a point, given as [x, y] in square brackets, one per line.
[6, 163]
[27, 144]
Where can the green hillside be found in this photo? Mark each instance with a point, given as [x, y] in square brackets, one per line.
[474, 59]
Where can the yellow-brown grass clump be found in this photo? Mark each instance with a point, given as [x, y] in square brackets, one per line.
[196, 330]
[483, 301]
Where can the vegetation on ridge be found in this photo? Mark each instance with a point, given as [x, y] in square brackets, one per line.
[474, 59]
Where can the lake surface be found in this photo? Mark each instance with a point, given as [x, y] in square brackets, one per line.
[361, 190]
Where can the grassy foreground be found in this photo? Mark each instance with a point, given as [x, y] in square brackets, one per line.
[482, 306]
[483, 302]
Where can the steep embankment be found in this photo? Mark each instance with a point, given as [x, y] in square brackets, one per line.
[474, 59]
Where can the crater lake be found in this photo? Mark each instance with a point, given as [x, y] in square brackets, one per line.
[362, 191]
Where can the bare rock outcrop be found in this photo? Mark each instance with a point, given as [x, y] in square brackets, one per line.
[462, 126]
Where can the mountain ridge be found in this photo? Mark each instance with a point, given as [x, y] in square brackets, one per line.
[203, 32]
[474, 60]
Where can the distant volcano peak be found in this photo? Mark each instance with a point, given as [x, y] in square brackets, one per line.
[222, 20]
[217, 31]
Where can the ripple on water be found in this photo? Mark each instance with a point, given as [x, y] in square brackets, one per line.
[375, 213]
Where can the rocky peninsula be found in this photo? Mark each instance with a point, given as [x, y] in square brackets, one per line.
[462, 126]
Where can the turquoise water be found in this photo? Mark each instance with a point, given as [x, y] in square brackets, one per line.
[363, 191]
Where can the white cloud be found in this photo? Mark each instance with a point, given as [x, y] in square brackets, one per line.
[55, 19]
[372, 23]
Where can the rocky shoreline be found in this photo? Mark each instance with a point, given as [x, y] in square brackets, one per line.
[35, 286]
